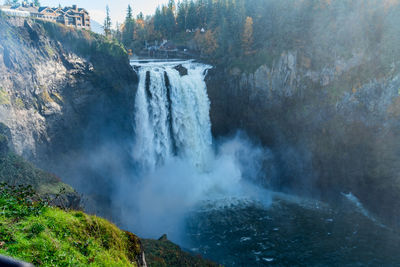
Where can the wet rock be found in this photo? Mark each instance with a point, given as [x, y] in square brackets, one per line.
[182, 70]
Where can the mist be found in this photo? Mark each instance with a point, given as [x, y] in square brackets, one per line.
[158, 201]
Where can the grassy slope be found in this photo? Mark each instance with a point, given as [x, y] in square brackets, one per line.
[49, 236]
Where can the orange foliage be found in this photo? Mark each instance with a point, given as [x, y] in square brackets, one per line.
[206, 42]
[247, 37]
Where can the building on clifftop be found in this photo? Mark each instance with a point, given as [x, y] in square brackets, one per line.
[69, 16]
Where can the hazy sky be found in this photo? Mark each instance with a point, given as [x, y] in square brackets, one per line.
[117, 7]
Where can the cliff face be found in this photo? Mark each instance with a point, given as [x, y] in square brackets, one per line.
[332, 129]
[63, 93]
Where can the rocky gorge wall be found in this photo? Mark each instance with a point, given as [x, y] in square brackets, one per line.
[330, 129]
[65, 94]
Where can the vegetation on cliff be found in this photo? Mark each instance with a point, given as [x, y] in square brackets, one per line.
[47, 236]
[16, 171]
[164, 253]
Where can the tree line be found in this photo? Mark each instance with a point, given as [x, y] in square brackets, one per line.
[231, 30]
[214, 25]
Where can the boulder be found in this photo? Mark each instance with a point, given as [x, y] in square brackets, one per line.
[182, 70]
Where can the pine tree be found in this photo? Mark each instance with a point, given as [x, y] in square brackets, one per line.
[129, 15]
[171, 5]
[128, 29]
[140, 16]
[191, 17]
[118, 34]
[107, 23]
[181, 15]
[170, 24]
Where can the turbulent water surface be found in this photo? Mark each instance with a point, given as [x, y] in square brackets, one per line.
[291, 232]
[204, 195]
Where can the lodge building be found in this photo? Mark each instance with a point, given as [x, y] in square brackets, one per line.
[68, 16]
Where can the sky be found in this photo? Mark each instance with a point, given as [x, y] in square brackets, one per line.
[118, 8]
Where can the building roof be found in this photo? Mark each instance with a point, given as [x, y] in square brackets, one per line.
[43, 8]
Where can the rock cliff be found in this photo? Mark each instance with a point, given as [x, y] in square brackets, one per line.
[60, 88]
[63, 95]
[333, 129]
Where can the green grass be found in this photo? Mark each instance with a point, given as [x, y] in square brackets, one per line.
[48, 236]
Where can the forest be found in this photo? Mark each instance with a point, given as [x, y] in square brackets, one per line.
[226, 31]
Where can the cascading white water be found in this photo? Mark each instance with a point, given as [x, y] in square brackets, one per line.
[179, 166]
[172, 114]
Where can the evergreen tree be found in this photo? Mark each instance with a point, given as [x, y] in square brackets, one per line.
[128, 29]
[140, 16]
[171, 5]
[191, 17]
[201, 12]
[118, 34]
[169, 23]
[129, 15]
[158, 20]
[181, 15]
[107, 23]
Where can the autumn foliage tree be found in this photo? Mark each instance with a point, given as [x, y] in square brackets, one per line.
[206, 42]
[247, 36]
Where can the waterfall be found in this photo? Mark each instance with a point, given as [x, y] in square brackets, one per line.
[171, 114]
[178, 166]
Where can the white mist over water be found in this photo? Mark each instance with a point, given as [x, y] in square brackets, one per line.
[179, 166]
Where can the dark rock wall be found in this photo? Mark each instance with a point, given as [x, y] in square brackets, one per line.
[328, 135]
